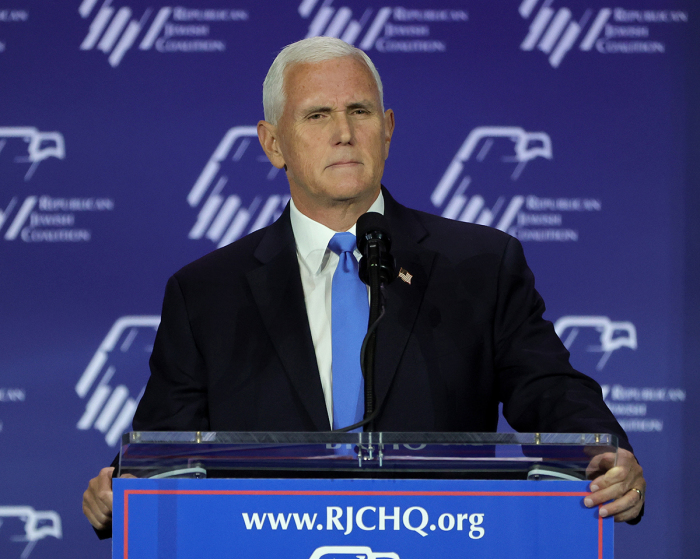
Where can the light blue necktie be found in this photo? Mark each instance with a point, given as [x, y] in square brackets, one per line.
[349, 317]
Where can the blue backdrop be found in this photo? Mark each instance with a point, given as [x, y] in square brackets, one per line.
[127, 149]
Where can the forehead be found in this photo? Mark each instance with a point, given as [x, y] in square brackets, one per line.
[339, 80]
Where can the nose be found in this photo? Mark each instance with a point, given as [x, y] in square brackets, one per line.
[344, 129]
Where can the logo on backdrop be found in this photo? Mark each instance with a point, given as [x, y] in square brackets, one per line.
[167, 30]
[485, 153]
[598, 337]
[632, 405]
[237, 165]
[11, 396]
[37, 219]
[37, 147]
[351, 551]
[11, 16]
[37, 525]
[124, 352]
[554, 32]
[386, 29]
[40, 218]
[610, 335]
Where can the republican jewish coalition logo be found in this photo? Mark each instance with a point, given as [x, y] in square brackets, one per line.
[329, 21]
[481, 185]
[120, 360]
[238, 165]
[30, 146]
[36, 525]
[603, 335]
[172, 29]
[350, 552]
[555, 32]
[42, 218]
[510, 145]
[11, 16]
[385, 29]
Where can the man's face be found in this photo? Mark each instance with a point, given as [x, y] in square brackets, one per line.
[332, 136]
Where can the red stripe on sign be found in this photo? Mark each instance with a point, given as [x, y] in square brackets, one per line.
[126, 524]
[360, 493]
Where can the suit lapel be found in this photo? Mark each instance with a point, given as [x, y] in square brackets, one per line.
[278, 293]
[403, 299]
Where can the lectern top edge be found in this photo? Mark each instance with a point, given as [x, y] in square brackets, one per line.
[372, 454]
[267, 437]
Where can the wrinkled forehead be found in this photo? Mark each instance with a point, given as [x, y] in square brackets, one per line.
[318, 75]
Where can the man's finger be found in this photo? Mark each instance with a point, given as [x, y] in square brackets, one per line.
[98, 519]
[105, 478]
[97, 496]
[629, 514]
[624, 508]
[97, 504]
[615, 475]
[604, 495]
[97, 499]
[600, 464]
[91, 517]
[94, 512]
[103, 487]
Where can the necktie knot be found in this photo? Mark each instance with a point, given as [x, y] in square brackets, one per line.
[342, 242]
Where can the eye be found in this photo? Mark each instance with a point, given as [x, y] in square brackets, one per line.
[316, 116]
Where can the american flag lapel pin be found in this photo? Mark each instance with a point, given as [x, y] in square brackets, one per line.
[405, 276]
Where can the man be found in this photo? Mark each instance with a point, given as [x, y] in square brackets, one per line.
[245, 338]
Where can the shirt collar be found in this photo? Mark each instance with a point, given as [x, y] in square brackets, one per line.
[312, 238]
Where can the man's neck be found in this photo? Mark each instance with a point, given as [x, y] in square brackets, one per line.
[340, 216]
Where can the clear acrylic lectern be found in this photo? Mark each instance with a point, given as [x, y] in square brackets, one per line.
[362, 455]
[348, 495]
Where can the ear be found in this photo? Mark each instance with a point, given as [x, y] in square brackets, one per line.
[267, 134]
[388, 130]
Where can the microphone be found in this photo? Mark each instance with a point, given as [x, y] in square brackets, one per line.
[376, 269]
[374, 242]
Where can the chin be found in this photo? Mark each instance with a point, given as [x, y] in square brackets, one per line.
[349, 191]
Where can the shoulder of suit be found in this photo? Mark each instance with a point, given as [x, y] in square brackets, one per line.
[442, 232]
[233, 259]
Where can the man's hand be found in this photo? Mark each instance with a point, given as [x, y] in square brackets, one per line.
[97, 499]
[623, 484]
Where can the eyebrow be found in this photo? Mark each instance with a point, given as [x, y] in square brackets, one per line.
[361, 105]
[317, 109]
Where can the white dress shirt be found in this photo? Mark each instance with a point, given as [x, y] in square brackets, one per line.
[317, 263]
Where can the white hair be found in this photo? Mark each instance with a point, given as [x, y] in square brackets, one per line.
[315, 49]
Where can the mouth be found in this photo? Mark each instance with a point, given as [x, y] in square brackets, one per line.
[344, 163]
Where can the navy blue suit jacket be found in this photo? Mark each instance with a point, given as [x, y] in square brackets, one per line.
[234, 349]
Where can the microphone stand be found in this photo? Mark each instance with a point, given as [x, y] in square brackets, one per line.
[376, 268]
[375, 312]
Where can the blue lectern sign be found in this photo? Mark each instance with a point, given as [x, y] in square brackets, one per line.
[351, 519]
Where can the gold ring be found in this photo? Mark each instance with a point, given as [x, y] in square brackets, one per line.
[641, 495]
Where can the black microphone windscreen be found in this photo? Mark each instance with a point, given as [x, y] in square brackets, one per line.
[372, 225]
